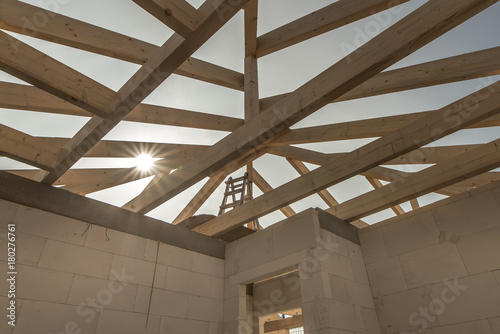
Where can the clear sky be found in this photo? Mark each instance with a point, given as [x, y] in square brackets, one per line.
[279, 72]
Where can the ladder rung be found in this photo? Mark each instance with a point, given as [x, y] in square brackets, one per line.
[231, 205]
[236, 180]
[237, 191]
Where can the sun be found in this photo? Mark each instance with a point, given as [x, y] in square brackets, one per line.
[144, 162]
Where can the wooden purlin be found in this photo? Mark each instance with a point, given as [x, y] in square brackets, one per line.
[417, 134]
[265, 187]
[397, 209]
[419, 28]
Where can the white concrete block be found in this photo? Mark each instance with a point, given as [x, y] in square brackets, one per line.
[468, 299]
[43, 284]
[217, 288]
[316, 286]
[470, 215]
[360, 295]
[251, 252]
[208, 265]
[497, 275]
[205, 309]
[216, 328]
[142, 299]
[188, 282]
[116, 242]
[295, 235]
[29, 248]
[338, 265]
[176, 257]
[344, 316]
[432, 264]
[480, 250]
[411, 234]
[140, 272]
[4, 326]
[176, 325]
[386, 277]
[7, 212]
[340, 288]
[359, 272]
[370, 321]
[113, 295]
[373, 245]
[169, 303]
[119, 322]
[495, 325]
[354, 251]
[51, 226]
[4, 287]
[476, 327]
[399, 312]
[75, 259]
[160, 278]
[45, 317]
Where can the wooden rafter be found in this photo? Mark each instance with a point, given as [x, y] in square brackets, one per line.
[30, 65]
[453, 69]
[397, 209]
[22, 147]
[417, 134]
[474, 162]
[323, 20]
[23, 97]
[302, 169]
[265, 187]
[74, 33]
[201, 196]
[419, 28]
[368, 128]
[179, 15]
[171, 55]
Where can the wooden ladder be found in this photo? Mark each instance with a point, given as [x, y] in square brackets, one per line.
[240, 191]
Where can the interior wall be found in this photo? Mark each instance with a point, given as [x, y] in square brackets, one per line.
[437, 270]
[330, 276]
[77, 278]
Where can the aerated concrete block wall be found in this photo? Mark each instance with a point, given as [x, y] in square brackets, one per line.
[76, 279]
[330, 281]
[437, 270]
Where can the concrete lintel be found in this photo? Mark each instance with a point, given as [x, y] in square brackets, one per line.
[40, 196]
[337, 226]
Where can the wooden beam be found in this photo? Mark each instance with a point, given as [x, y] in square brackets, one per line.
[251, 72]
[287, 323]
[369, 128]
[417, 134]
[419, 28]
[414, 204]
[302, 169]
[23, 97]
[30, 65]
[467, 66]
[177, 15]
[265, 187]
[22, 147]
[172, 54]
[475, 162]
[397, 209]
[201, 197]
[328, 18]
[18, 17]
